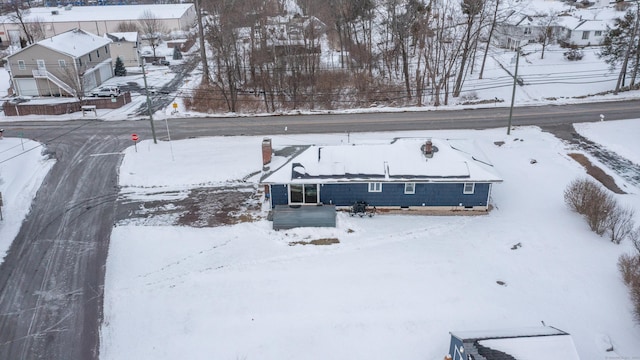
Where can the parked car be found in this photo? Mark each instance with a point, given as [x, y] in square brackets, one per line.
[105, 91]
[161, 62]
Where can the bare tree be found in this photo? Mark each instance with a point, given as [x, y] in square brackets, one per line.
[492, 27]
[470, 8]
[203, 48]
[547, 23]
[127, 26]
[152, 29]
[17, 12]
[443, 44]
[36, 28]
[73, 76]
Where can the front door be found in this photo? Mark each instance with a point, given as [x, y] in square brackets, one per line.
[303, 194]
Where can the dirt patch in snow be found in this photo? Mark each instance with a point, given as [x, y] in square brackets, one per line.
[202, 207]
[597, 173]
[325, 241]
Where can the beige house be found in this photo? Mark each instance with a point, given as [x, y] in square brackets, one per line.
[98, 20]
[61, 65]
[125, 46]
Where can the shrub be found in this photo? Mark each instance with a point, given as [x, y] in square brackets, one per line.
[591, 201]
[573, 55]
[600, 210]
[629, 266]
[620, 223]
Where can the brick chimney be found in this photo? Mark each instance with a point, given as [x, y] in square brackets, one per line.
[266, 151]
[428, 149]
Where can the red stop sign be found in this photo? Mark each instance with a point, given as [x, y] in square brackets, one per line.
[134, 137]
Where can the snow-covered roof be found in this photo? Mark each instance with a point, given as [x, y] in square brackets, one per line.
[74, 42]
[401, 160]
[103, 13]
[507, 333]
[552, 347]
[123, 36]
[592, 25]
[529, 343]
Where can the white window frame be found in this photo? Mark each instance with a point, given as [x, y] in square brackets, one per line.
[466, 189]
[585, 35]
[410, 188]
[22, 65]
[375, 187]
[62, 63]
[597, 33]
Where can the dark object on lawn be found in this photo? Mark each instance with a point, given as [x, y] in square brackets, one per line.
[573, 55]
[361, 209]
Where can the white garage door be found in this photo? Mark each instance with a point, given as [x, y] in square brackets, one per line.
[26, 87]
[105, 72]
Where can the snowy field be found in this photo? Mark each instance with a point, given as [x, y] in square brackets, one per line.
[392, 288]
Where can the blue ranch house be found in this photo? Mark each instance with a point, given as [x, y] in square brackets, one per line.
[405, 173]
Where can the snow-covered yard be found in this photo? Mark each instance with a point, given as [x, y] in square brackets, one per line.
[394, 285]
[21, 173]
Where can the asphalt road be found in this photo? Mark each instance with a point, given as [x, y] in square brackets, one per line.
[52, 278]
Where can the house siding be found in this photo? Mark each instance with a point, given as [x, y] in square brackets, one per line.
[51, 57]
[426, 194]
[454, 345]
[279, 195]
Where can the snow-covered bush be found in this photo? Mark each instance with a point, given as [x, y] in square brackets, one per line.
[600, 209]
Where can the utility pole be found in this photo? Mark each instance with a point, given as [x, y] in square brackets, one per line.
[146, 89]
[513, 93]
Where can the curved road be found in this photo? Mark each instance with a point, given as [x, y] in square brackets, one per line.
[52, 277]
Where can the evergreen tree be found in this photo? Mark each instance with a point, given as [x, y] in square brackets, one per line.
[620, 46]
[177, 55]
[120, 70]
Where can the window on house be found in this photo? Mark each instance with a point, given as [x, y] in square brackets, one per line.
[303, 193]
[597, 33]
[98, 53]
[585, 35]
[106, 49]
[469, 188]
[409, 188]
[79, 61]
[22, 65]
[375, 187]
[89, 57]
[62, 63]
[527, 31]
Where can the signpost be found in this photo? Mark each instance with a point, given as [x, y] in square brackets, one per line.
[134, 137]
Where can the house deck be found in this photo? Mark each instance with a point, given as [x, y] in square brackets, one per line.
[287, 217]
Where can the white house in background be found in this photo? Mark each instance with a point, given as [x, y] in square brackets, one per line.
[582, 32]
[125, 46]
[521, 29]
[51, 66]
